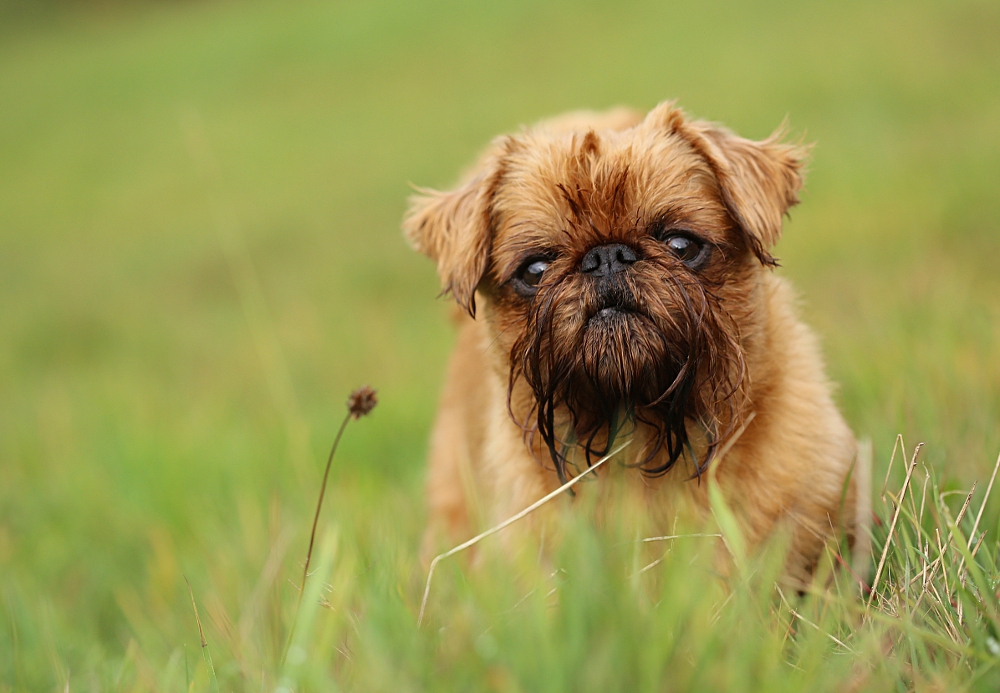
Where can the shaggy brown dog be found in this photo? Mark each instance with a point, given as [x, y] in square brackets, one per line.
[617, 273]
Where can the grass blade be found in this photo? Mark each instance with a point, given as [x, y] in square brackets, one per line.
[204, 643]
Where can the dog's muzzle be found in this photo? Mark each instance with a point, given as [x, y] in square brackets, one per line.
[615, 302]
[604, 261]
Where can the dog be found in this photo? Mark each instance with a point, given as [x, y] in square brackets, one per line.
[614, 274]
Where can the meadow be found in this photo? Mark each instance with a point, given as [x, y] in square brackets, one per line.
[200, 257]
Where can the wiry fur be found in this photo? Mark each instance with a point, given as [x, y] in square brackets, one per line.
[688, 353]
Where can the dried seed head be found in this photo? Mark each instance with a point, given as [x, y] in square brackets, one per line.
[361, 401]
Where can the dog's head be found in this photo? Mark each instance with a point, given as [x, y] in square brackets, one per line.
[618, 259]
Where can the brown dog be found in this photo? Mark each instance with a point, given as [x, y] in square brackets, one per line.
[621, 269]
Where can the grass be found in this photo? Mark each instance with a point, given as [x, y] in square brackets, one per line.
[200, 255]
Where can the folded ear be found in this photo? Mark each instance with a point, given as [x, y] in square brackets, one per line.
[455, 228]
[758, 181]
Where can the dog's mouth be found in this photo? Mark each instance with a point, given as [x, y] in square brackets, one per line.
[611, 315]
[614, 308]
[614, 304]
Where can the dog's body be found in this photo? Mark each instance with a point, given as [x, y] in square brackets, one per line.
[622, 270]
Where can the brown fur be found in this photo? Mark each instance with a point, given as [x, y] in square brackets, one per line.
[537, 385]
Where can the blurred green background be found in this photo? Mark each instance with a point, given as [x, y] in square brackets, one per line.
[200, 256]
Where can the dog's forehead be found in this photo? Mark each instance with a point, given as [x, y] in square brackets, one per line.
[609, 181]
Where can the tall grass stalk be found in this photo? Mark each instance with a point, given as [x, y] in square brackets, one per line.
[204, 643]
[319, 504]
[360, 403]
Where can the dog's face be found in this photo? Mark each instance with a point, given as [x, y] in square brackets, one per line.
[618, 266]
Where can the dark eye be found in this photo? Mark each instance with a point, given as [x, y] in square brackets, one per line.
[688, 250]
[530, 274]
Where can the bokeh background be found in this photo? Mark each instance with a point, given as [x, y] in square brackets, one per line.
[200, 257]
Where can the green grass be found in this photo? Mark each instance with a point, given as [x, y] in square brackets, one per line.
[200, 257]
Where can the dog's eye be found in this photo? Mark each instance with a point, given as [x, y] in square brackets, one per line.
[688, 250]
[526, 280]
[532, 272]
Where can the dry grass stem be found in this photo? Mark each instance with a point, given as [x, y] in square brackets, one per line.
[861, 552]
[671, 537]
[509, 521]
[681, 536]
[201, 635]
[895, 519]
[982, 507]
[319, 503]
[979, 516]
[892, 458]
[720, 457]
[805, 620]
[360, 403]
[965, 507]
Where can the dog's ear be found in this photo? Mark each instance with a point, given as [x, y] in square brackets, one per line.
[454, 228]
[758, 181]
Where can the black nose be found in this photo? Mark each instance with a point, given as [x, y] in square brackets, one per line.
[605, 260]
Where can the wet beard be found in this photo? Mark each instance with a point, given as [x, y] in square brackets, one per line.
[628, 366]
